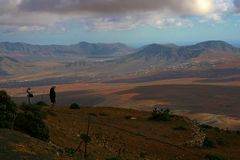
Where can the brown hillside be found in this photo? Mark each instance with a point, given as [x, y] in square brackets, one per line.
[113, 133]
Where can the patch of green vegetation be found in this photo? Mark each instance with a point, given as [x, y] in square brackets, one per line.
[30, 121]
[74, 106]
[215, 156]
[37, 109]
[70, 151]
[30, 107]
[7, 110]
[180, 128]
[161, 115]
[209, 143]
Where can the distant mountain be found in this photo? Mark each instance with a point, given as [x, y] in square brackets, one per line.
[83, 48]
[101, 49]
[217, 46]
[178, 53]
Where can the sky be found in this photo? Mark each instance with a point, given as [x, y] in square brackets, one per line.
[134, 22]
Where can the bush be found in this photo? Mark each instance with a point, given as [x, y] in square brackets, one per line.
[215, 156]
[74, 106]
[41, 103]
[161, 114]
[36, 109]
[205, 126]
[128, 117]
[30, 121]
[32, 124]
[208, 143]
[180, 128]
[30, 107]
[70, 151]
[7, 110]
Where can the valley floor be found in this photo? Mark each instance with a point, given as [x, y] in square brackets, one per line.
[213, 103]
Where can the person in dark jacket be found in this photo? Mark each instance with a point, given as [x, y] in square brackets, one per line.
[52, 95]
[29, 95]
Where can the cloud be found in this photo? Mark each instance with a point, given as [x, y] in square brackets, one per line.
[101, 15]
[185, 7]
[237, 5]
[8, 6]
[131, 22]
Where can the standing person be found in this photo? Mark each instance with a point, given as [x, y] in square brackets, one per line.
[52, 95]
[29, 95]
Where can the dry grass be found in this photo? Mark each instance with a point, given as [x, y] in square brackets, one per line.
[112, 132]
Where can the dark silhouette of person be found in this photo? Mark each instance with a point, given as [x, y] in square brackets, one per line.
[52, 95]
[29, 95]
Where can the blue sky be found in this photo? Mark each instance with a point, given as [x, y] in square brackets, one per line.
[134, 22]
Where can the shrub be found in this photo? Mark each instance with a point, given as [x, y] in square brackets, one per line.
[215, 156]
[161, 114]
[41, 103]
[70, 151]
[180, 128]
[30, 121]
[7, 110]
[128, 117]
[32, 124]
[208, 143]
[36, 109]
[74, 106]
[30, 107]
[205, 126]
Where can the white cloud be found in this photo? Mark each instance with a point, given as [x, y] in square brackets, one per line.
[36, 15]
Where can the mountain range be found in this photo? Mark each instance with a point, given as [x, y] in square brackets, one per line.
[166, 52]
[100, 60]
[80, 49]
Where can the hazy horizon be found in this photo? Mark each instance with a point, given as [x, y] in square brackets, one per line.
[134, 45]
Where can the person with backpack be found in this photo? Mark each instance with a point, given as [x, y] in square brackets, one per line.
[52, 95]
[29, 95]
